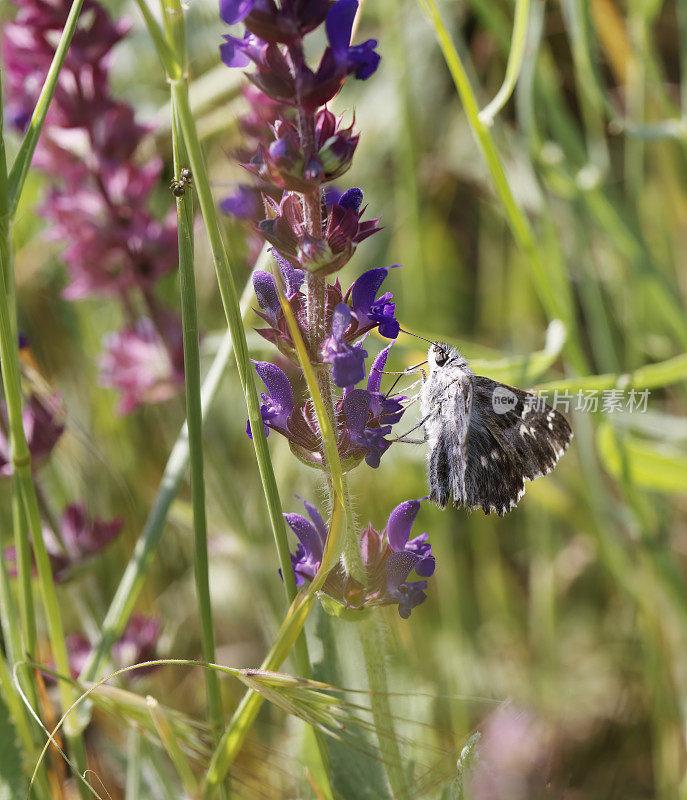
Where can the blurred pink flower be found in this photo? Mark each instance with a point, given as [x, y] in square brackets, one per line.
[42, 427]
[512, 757]
[140, 367]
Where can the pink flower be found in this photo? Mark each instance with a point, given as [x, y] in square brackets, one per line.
[140, 367]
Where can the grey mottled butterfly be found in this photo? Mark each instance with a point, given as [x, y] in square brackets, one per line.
[485, 438]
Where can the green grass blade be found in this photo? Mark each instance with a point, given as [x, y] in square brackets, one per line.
[662, 470]
[20, 168]
[487, 114]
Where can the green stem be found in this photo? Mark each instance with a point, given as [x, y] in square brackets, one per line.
[24, 570]
[522, 8]
[233, 315]
[22, 162]
[371, 635]
[194, 417]
[20, 455]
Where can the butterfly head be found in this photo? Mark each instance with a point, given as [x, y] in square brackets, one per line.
[440, 354]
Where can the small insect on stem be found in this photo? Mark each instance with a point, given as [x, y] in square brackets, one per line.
[178, 187]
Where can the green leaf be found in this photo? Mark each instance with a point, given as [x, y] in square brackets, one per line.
[659, 469]
[12, 784]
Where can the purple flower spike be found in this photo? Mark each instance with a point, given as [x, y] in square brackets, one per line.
[348, 363]
[277, 402]
[233, 11]
[371, 312]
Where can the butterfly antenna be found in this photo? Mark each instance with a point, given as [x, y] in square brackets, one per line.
[417, 336]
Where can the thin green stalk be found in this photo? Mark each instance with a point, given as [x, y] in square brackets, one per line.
[517, 50]
[134, 765]
[552, 285]
[371, 634]
[22, 162]
[194, 417]
[24, 571]
[132, 580]
[20, 455]
[233, 315]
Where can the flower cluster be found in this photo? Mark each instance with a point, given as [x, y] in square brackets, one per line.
[97, 203]
[363, 417]
[80, 539]
[389, 557]
[297, 148]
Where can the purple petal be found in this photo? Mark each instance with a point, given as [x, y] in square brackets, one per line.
[315, 516]
[426, 566]
[307, 535]
[293, 278]
[364, 58]
[398, 567]
[277, 384]
[339, 24]
[232, 53]
[233, 11]
[356, 406]
[348, 366]
[365, 289]
[400, 522]
[341, 319]
[266, 293]
[351, 199]
[374, 382]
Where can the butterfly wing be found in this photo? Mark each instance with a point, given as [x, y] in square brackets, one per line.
[505, 449]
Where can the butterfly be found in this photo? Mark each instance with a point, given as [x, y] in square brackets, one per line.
[485, 438]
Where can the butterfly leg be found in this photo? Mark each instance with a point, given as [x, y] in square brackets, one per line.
[403, 438]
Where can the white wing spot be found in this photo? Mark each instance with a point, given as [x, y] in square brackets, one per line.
[483, 461]
[494, 455]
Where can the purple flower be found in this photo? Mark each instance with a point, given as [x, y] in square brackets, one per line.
[362, 435]
[348, 363]
[388, 557]
[360, 60]
[370, 310]
[42, 427]
[312, 536]
[276, 23]
[140, 366]
[243, 203]
[233, 11]
[277, 403]
[407, 556]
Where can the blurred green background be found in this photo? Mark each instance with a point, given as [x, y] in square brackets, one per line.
[574, 606]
